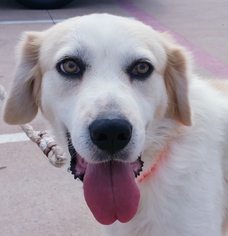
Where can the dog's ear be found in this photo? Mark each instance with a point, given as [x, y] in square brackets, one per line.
[22, 102]
[176, 78]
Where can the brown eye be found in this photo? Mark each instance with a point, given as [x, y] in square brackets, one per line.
[141, 69]
[69, 67]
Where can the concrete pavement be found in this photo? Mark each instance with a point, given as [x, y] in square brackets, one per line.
[38, 199]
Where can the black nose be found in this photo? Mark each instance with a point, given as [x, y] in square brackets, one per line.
[110, 135]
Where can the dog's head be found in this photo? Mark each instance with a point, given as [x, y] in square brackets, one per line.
[110, 81]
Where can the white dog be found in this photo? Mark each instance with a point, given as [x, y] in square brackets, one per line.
[150, 137]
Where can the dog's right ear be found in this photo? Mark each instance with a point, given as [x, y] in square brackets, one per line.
[22, 102]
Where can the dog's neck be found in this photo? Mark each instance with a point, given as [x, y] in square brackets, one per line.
[162, 155]
[161, 148]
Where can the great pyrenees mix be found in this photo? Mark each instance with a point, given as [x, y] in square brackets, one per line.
[150, 137]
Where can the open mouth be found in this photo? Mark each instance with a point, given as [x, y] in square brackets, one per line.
[109, 187]
[78, 166]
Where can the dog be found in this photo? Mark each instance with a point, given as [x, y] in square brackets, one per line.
[149, 136]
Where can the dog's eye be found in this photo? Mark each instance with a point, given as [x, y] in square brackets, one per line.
[140, 70]
[69, 66]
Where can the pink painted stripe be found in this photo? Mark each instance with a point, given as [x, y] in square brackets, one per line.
[210, 63]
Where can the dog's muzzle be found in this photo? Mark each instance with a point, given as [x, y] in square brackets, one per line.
[109, 136]
[109, 186]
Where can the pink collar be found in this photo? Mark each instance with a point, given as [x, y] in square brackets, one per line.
[161, 156]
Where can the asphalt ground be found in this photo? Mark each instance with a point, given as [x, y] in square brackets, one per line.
[35, 197]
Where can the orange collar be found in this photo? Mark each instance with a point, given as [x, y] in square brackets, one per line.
[161, 156]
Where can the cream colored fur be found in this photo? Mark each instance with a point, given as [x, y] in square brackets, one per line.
[187, 194]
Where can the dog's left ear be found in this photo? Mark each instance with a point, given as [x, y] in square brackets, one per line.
[23, 100]
[176, 78]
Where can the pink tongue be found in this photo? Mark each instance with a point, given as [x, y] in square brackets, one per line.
[111, 192]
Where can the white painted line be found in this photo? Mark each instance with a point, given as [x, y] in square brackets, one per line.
[29, 22]
[11, 138]
[16, 22]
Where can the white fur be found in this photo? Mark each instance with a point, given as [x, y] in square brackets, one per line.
[187, 194]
